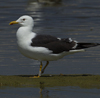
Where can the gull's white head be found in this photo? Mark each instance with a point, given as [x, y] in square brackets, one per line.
[24, 20]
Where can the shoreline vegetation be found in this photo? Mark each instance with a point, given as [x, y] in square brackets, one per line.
[80, 80]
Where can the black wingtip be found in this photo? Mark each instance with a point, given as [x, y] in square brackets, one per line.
[87, 45]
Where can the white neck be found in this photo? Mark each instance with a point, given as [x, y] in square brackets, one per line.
[23, 32]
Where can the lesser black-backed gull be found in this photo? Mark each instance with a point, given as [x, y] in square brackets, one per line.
[44, 47]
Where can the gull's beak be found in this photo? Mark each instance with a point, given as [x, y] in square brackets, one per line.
[13, 22]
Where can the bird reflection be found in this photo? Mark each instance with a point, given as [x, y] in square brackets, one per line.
[43, 92]
[47, 2]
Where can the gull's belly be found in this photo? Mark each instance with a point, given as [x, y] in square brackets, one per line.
[42, 53]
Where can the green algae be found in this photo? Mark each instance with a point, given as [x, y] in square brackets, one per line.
[82, 80]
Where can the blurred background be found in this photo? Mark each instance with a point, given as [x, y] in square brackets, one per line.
[78, 19]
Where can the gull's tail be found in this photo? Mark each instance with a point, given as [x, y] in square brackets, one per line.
[86, 45]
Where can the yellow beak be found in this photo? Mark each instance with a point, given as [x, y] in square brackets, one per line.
[13, 22]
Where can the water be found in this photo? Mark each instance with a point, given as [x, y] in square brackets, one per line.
[56, 92]
[78, 19]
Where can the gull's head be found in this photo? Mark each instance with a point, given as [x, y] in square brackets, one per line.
[24, 20]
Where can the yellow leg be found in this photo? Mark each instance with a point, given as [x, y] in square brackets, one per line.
[45, 67]
[40, 69]
[40, 72]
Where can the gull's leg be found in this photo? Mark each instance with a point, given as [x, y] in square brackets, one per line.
[45, 67]
[40, 72]
[40, 69]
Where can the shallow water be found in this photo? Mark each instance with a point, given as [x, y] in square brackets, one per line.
[56, 92]
[78, 19]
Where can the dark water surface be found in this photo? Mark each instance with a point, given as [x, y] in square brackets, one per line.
[57, 92]
[78, 19]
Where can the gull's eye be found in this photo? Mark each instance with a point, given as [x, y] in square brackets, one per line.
[24, 19]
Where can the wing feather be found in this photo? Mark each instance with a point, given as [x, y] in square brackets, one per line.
[54, 44]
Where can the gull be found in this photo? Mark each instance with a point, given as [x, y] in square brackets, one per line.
[44, 47]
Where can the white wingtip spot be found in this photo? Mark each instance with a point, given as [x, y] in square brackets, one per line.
[59, 38]
[70, 40]
[75, 44]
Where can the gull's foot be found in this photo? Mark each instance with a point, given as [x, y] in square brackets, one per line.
[35, 77]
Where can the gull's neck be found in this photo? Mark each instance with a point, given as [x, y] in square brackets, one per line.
[23, 32]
